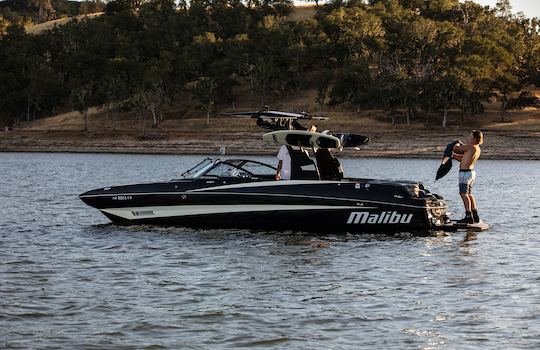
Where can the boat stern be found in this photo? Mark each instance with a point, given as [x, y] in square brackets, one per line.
[437, 213]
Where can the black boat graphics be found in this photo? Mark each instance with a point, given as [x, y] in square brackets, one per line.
[243, 193]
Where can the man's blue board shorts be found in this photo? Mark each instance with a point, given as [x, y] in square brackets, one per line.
[466, 180]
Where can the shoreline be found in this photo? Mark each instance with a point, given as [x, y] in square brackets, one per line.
[215, 152]
[500, 145]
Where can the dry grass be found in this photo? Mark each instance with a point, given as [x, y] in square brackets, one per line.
[38, 28]
[184, 131]
[182, 116]
[299, 13]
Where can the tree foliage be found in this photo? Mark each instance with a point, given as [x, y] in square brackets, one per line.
[423, 57]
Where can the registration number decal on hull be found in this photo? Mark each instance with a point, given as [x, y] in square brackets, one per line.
[122, 198]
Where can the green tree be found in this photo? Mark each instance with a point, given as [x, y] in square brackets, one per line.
[505, 84]
[357, 30]
[82, 99]
[14, 74]
[113, 88]
[322, 80]
[203, 91]
[135, 103]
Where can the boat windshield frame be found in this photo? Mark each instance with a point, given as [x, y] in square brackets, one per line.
[200, 169]
[206, 166]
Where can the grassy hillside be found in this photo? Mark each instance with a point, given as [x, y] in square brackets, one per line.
[40, 11]
[184, 131]
[38, 28]
[183, 116]
[352, 58]
[300, 13]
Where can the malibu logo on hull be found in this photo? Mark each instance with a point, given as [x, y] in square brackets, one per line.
[386, 217]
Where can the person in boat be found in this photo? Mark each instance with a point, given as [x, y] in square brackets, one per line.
[467, 155]
[329, 167]
[284, 166]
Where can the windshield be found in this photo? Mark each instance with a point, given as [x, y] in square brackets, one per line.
[239, 168]
[199, 169]
[259, 169]
[227, 170]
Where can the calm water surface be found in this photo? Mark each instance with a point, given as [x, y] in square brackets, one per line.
[68, 279]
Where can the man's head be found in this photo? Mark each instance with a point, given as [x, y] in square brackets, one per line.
[477, 138]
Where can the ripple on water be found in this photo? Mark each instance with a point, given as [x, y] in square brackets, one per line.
[69, 279]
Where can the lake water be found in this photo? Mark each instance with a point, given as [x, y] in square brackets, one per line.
[70, 280]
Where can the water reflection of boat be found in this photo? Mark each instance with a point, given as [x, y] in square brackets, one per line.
[244, 194]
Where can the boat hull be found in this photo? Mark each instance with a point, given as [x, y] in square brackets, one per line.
[313, 206]
[309, 220]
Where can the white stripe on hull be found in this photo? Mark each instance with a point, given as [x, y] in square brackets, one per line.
[135, 213]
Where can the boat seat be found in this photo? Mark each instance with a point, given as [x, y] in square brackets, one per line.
[329, 167]
[302, 167]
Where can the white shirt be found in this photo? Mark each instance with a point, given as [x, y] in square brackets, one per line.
[285, 158]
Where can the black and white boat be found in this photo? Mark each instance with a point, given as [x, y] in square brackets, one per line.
[241, 193]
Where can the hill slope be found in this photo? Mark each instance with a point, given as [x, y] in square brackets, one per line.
[184, 131]
[39, 11]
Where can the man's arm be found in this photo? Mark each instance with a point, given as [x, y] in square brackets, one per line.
[460, 149]
[278, 172]
[457, 156]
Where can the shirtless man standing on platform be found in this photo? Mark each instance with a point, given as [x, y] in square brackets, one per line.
[468, 155]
